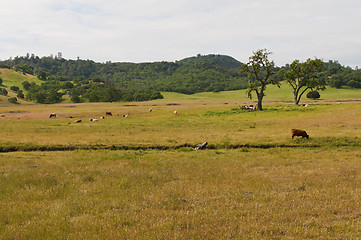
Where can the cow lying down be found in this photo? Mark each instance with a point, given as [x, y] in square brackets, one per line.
[300, 133]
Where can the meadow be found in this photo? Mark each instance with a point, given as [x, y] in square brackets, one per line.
[139, 177]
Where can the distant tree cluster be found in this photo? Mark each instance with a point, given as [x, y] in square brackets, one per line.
[82, 90]
[16, 89]
[45, 93]
[211, 73]
[338, 76]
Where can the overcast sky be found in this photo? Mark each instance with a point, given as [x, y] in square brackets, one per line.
[170, 30]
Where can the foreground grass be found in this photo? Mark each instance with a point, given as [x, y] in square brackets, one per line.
[212, 194]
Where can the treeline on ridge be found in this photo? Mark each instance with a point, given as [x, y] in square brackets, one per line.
[86, 80]
[83, 79]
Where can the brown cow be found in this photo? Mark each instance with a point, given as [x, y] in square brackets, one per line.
[300, 133]
[52, 115]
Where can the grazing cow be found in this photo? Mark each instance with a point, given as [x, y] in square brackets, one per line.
[52, 115]
[126, 115]
[175, 113]
[102, 117]
[300, 133]
[246, 107]
[77, 121]
[108, 113]
[93, 120]
[150, 109]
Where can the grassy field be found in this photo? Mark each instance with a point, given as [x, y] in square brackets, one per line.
[79, 181]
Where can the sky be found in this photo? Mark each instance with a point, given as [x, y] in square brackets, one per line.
[166, 30]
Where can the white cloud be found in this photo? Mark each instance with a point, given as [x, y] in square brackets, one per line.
[156, 30]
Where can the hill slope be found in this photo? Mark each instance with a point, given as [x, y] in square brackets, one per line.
[221, 60]
[13, 78]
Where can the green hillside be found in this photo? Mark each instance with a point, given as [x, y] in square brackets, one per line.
[273, 94]
[13, 78]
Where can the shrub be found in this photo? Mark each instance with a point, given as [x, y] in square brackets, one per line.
[26, 85]
[313, 94]
[21, 94]
[14, 88]
[13, 100]
[3, 91]
[75, 99]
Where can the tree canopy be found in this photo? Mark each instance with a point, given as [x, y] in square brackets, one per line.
[302, 76]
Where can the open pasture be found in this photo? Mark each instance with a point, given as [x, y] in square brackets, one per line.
[196, 122]
[254, 182]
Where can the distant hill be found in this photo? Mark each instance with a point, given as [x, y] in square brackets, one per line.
[210, 73]
[221, 60]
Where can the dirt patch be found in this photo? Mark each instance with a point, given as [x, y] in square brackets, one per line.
[24, 115]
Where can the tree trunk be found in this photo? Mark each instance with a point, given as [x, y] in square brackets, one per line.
[298, 95]
[297, 100]
[260, 98]
[295, 94]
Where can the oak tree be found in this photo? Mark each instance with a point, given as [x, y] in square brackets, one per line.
[303, 76]
[259, 69]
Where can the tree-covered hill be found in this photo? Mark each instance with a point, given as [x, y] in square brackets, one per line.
[220, 60]
[190, 75]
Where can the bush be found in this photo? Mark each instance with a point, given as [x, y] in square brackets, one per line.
[75, 99]
[313, 94]
[26, 85]
[14, 88]
[21, 94]
[354, 84]
[3, 91]
[13, 100]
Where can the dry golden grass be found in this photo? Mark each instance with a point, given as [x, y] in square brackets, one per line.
[223, 194]
[307, 190]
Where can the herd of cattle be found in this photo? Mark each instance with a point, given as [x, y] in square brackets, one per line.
[294, 132]
[53, 115]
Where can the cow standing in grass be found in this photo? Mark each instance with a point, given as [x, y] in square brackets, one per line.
[52, 115]
[300, 133]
